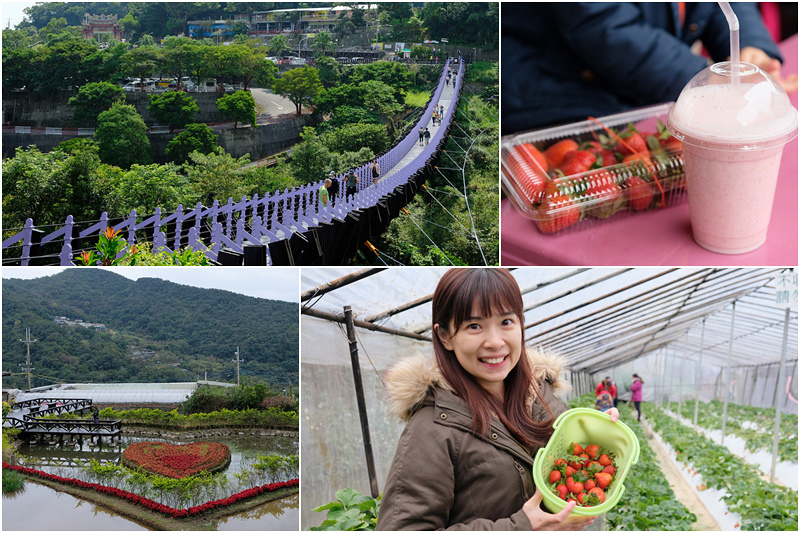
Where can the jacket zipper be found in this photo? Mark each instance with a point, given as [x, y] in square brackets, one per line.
[522, 479]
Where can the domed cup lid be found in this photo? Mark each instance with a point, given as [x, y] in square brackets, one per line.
[717, 110]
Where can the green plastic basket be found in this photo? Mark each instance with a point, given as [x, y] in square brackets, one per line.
[587, 426]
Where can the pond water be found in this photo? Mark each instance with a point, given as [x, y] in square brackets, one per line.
[22, 511]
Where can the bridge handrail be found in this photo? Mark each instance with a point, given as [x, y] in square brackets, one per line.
[279, 212]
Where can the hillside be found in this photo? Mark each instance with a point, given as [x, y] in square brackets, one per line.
[155, 330]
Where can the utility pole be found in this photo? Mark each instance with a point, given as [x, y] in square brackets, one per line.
[28, 342]
[237, 361]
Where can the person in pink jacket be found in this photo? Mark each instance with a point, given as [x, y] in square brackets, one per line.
[636, 395]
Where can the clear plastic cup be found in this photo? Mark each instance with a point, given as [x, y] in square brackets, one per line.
[733, 130]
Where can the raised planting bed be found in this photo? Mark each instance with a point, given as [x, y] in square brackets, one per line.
[177, 460]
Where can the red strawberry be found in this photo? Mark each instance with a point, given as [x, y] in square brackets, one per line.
[581, 497]
[607, 199]
[598, 493]
[576, 487]
[556, 213]
[555, 476]
[577, 162]
[576, 448]
[639, 194]
[604, 460]
[671, 144]
[562, 491]
[585, 459]
[592, 450]
[569, 471]
[530, 177]
[593, 467]
[609, 470]
[533, 156]
[555, 154]
[577, 465]
[560, 462]
[602, 479]
[589, 484]
[635, 141]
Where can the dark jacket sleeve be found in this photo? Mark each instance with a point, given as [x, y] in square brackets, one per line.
[636, 59]
[415, 498]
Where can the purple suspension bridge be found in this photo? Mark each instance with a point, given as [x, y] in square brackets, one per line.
[282, 228]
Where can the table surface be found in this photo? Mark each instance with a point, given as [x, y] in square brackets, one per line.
[660, 237]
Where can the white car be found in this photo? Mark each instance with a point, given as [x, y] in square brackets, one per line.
[273, 59]
[297, 61]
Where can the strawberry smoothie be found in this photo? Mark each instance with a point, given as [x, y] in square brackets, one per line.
[733, 136]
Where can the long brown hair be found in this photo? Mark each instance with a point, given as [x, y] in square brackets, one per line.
[490, 291]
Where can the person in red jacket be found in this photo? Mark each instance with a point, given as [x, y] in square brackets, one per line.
[609, 385]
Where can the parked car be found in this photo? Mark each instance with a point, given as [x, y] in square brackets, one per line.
[297, 61]
[273, 59]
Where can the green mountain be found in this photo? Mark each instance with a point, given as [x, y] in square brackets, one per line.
[155, 331]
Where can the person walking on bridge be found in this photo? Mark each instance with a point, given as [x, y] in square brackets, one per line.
[421, 135]
[427, 136]
[376, 171]
[96, 418]
[333, 190]
[352, 183]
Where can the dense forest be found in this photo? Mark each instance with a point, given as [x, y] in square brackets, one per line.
[182, 331]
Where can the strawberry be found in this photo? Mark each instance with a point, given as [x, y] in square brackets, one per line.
[585, 459]
[577, 162]
[602, 479]
[636, 158]
[555, 154]
[577, 465]
[576, 487]
[569, 470]
[671, 144]
[591, 450]
[562, 491]
[609, 470]
[576, 448]
[530, 177]
[639, 194]
[533, 156]
[607, 199]
[604, 460]
[555, 476]
[560, 462]
[581, 497]
[636, 142]
[556, 213]
[589, 484]
[598, 493]
[593, 467]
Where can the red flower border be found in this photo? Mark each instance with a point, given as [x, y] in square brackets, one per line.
[177, 460]
[155, 506]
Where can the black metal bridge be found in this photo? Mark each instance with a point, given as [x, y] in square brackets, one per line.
[27, 416]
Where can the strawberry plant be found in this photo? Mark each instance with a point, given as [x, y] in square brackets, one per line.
[351, 511]
[762, 505]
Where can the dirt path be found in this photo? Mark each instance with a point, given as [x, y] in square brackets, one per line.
[682, 490]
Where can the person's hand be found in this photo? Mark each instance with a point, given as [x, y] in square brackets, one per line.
[756, 56]
[543, 521]
[613, 413]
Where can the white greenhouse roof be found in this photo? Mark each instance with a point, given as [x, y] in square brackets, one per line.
[598, 318]
[100, 393]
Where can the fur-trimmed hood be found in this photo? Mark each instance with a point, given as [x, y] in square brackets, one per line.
[409, 380]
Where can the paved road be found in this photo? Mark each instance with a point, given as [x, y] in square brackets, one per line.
[271, 105]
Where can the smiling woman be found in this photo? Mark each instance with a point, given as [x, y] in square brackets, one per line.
[475, 417]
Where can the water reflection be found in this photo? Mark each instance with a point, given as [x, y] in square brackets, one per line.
[22, 511]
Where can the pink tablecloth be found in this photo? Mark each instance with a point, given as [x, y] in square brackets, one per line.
[662, 237]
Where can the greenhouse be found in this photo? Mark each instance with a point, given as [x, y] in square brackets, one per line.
[715, 350]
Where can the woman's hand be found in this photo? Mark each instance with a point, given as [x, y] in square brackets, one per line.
[613, 413]
[543, 521]
[759, 58]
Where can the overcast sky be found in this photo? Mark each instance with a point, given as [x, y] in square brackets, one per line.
[274, 283]
[12, 11]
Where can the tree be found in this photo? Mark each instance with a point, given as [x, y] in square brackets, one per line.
[196, 138]
[353, 137]
[279, 46]
[217, 176]
[92, 99]
[311, 159]
[300, 85]
[240, 106]
[329, 70]
[322, 43]
[121, 137]
[140, 62]
[175, 108]
[143, 187]
[419, 51]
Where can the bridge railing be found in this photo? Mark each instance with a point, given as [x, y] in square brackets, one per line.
[235, 224]
[72, 426]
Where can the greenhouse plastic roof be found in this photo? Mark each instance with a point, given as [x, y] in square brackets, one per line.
[145, 393]
[598, 318]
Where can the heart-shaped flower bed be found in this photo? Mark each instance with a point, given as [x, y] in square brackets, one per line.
[177, 460]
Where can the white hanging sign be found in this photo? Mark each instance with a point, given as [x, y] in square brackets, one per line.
[786, 289]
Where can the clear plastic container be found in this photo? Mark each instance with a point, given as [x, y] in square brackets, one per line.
[587, 426]
[619, 177]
